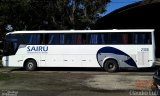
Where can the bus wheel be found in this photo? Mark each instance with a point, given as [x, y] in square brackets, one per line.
[111, 65]
[30, 65]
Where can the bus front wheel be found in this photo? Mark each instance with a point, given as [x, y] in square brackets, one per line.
[111, 65]
[30, 65]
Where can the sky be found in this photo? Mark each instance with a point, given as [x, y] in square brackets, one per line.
[115, 4]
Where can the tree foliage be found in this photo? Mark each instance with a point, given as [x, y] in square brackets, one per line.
[50, 14]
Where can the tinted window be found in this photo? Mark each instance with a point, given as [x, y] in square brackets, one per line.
[62, 39]
[116, 38]
[104, 38]
[70, 38]
[33, 39]
[12, 43]
[141, 38]
[120, 38]
[125, 38]
[93, 38]
[52, 38]
[80, 39]
[100, 38]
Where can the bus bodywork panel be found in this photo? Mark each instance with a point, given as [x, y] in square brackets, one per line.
[81, 48]
[81, 55]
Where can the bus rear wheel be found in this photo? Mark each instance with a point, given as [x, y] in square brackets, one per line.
[111, 65]
[30, 65]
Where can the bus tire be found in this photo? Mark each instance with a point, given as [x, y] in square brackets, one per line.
[30, 65]
[111, 65]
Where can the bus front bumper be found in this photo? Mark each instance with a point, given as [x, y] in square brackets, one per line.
[5, 62]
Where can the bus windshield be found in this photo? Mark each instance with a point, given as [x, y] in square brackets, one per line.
[10, 45]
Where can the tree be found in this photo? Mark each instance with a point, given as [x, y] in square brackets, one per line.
[51, 14]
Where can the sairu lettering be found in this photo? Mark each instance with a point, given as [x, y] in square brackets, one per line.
[37, 48]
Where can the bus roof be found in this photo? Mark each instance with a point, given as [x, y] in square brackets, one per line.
[82, 31]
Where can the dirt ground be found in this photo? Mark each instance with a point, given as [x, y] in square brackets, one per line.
[71, 82]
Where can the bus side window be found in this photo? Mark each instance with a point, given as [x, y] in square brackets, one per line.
[33, 39]
[116, 38]
[141, 38]
[125, 38]
[105, 39]
[101, 39]
[61, 38]
[79, 39]
[93, 38]
[53, 39]
[70, 38]
[36, 39]
[28, 38]
[149, 38]
[84, 39]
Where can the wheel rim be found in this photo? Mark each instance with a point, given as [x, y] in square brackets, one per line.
[111, 65]
[30, 65]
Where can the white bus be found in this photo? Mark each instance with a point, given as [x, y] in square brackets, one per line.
[108, 49]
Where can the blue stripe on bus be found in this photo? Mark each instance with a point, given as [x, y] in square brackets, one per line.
[113, 50]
